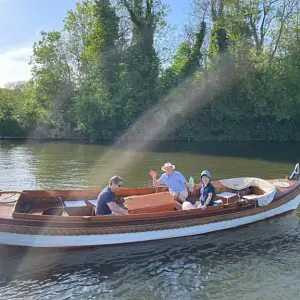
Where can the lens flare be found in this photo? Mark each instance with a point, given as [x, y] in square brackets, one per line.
[154, 125]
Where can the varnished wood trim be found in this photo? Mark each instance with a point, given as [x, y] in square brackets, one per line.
[129, 227]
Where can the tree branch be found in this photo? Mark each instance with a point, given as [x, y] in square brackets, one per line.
[283, 18]
[268, 25]
[253, 27]
[213, 10]
[149, 6]
[263, 24]
[221, 7]
[133, 17]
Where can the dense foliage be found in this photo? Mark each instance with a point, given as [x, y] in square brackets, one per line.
[235, 76]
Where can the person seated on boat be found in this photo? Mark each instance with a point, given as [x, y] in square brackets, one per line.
[207, 191]
[105, 201]
[174, 180]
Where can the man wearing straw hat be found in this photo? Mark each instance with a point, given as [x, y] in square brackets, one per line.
[174, 180]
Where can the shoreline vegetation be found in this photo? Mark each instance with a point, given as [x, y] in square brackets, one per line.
[114, 73]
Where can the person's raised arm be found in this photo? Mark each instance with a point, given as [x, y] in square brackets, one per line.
[154, 179]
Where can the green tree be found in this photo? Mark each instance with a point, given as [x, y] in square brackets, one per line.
[140, 67]
[52, 77]
[97, 96]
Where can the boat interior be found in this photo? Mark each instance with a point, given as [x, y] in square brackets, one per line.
[138, 201]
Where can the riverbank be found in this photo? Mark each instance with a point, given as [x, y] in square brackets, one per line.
[154, 140]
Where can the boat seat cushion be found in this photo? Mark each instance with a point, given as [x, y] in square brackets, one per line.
[77, 203]
[93, 202]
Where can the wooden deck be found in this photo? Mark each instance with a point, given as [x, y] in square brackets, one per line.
[7, 204]
[6, 211]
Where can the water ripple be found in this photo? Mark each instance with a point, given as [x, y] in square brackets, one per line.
[260, 261]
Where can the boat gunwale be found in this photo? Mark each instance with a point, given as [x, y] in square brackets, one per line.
[145, 218]
[119, 220]
[150, 219]
[129, 228]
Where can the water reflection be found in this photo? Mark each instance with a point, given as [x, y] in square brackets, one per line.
[70, 165]
[17, 167]
[269, 151]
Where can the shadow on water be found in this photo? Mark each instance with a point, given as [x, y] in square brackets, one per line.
[270, 151]
[160, 269]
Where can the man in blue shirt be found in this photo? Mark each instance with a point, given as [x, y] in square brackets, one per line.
[174, 180]
[105, 203]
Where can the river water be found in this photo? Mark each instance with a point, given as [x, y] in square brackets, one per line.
[260, 261]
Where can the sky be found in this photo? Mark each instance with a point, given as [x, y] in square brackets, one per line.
[22, 20]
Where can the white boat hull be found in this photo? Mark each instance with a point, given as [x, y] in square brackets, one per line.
[48, 241]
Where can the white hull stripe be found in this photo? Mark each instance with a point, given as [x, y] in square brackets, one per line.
[16, 239]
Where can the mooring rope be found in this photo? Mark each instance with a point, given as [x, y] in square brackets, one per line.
[3, 200]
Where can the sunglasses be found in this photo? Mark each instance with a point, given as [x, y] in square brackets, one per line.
[119, 185]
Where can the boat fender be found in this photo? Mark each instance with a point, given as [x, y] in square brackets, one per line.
[218, 202]
[187, 205]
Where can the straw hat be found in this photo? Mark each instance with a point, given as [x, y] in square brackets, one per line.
[167, 165]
